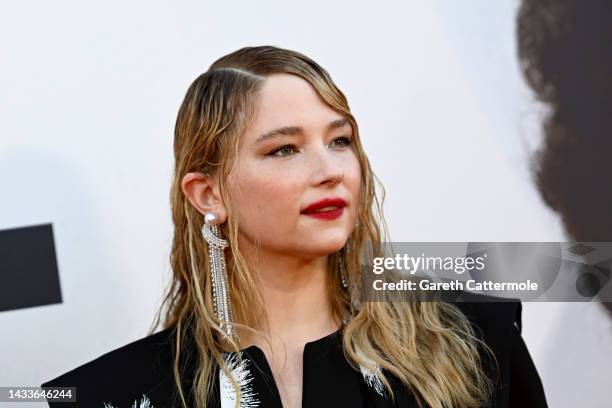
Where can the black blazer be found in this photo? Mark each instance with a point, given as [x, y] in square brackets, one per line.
[140, 373]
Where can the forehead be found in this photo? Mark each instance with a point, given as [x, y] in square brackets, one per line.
[288, 100]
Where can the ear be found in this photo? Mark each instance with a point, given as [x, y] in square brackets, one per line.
[203, 193]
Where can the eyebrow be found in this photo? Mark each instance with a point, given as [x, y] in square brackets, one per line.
[296, 130]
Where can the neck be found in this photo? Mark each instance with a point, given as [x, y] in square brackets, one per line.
[296, 297]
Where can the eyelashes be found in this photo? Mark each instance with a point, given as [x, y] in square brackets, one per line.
[290, 148]
[284, 148]
[346, 140]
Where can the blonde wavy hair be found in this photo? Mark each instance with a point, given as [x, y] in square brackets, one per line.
[429, 346]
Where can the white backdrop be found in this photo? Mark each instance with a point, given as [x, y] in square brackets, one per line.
[90, 92]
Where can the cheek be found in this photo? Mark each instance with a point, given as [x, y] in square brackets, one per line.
[353, 183]
[260, 197]
[353, 176]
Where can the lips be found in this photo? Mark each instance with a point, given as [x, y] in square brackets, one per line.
[325, 205]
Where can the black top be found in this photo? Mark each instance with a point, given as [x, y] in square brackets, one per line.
[140, 373]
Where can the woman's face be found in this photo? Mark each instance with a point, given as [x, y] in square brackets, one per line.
[295, 152]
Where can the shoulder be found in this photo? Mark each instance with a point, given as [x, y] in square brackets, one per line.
[496, 321]
[491, 314]
[123, 375]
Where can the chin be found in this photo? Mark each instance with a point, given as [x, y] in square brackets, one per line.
[327, 246]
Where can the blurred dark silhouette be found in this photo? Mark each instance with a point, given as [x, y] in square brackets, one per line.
[565, 51]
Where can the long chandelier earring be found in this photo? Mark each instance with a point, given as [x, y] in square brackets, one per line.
[341, 260]
[216, 246]
[342, 270]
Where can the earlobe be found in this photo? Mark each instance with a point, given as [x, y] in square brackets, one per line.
[202, 193]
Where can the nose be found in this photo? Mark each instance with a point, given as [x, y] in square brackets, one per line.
[327, 167]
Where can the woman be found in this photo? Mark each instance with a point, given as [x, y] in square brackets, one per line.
[273, 203]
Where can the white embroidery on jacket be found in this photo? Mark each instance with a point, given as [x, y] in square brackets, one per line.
[241, 374]
[371, 376]
[145, 403]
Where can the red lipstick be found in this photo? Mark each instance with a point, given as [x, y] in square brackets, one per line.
[318, 209]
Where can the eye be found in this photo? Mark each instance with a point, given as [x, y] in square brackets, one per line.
[344, 141]
[281, 150]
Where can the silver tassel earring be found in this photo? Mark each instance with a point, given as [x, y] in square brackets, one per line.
[342, 271]
[341, 260]
[355, 303]
[216, 245]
